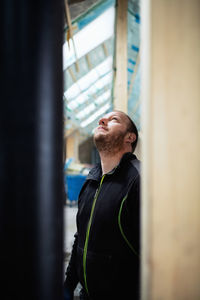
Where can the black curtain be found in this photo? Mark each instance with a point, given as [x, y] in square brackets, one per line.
[31, 149]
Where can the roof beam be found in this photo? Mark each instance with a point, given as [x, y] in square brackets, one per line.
[120, 89]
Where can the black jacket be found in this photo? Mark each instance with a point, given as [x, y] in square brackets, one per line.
[105, 255]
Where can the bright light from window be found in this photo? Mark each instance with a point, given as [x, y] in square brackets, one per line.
[105, 66]
[92, 35]
[72, 92]
[99, 112]
[86, 111]
[87, 80]
[103, 97]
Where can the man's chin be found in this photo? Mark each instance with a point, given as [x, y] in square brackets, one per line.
[99, 140]
[99, 134]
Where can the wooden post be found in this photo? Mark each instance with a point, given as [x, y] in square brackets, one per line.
[120, 90]
[171, 150]
[72, 145]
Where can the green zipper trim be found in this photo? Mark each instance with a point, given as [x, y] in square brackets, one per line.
[88, 233]
[121, 230]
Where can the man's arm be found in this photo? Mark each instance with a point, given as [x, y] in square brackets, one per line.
[71, 279]
[132, 205]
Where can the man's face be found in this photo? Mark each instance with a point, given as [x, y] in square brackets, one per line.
[110, 134]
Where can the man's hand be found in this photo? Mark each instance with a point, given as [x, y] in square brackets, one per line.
[68, 294]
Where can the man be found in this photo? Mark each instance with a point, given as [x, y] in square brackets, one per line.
[105, 256]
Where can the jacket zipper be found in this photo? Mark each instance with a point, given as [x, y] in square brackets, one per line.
[88, 233]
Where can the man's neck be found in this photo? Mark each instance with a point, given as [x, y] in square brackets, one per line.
[110, 161]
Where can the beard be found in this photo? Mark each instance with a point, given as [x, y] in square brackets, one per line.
[109, 144]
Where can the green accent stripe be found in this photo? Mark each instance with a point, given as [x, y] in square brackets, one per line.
[88, 233]
[121, 230]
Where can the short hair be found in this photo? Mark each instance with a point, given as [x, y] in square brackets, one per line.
[131, 127]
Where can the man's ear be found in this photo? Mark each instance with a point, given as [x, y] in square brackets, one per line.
[130, 137]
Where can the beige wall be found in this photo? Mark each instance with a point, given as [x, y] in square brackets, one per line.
[171, 150]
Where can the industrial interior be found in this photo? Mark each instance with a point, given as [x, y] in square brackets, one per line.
[106, 44]
[64, 64]
[94, 57]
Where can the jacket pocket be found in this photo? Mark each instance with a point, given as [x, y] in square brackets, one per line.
[99, 272]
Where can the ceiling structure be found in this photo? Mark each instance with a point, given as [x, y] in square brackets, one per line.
[89, 63]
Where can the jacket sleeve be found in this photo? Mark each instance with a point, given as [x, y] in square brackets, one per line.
[71, 279]
[132, 213]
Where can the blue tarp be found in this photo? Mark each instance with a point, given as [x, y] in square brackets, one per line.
[73, 184]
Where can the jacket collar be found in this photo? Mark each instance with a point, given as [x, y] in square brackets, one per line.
[96, 172]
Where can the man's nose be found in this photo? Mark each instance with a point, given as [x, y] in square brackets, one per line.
[102, 121]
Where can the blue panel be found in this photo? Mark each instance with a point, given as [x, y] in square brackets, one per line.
[133, 47]
[74, 184]
[95, 12]
[130, 70]
[137, 18]
[131, 61]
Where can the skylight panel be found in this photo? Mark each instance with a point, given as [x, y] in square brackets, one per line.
[92, 90]
[105, 66]
[99, 112]
[92, 35]
[91, 82]
[87, 80]
[77, 101]
[86, 111]
[73, 105]
[68, 54]
[99, 84]
[81, 98]
[106, 79]
[104, 97]
[72, 92]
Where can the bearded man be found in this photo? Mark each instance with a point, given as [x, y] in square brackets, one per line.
[106, 253]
